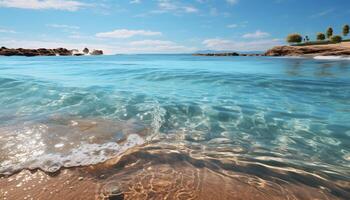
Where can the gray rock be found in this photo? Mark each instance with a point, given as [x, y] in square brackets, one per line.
[35, 52]
[96, 52]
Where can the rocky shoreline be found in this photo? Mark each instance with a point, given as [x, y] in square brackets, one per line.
[46, 52]
[341, 49]
[314, 50]
[226, 54]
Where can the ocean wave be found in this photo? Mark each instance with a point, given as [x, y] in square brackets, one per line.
[65, 143]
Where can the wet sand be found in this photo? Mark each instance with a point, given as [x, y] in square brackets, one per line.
[170, 172]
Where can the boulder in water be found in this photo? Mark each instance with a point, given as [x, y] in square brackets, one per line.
[86, 50]
[96, 52]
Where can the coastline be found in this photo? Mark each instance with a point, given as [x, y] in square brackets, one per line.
[227, 54]
[341, 50]
[47, 52]
[309, 51]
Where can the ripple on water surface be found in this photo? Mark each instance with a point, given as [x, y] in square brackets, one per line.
[62, 142]
[271, 119]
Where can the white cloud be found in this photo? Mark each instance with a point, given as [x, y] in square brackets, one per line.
[69, 5]
[125, 33]
[167, 5]
[256, 35]
[135, 1]
[157, 46]
[323, 13]
[213, 11]
[7, 31]
[189, 9]
[232, 2]
[151, 43]
[232, 26]
[171, 6]
[76, 35]
[230, 45]
[63, 26]
[70, 29]
[217, 44]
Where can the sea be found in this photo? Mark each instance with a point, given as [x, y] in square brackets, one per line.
[279, 121]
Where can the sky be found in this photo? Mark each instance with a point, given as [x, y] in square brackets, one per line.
[165, 26]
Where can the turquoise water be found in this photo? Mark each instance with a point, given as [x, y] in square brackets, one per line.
[285, 112]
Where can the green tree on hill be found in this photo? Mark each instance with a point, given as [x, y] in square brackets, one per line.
[294, 38]
[346, 30]
[321, 36]
[336, 39]
[329, 32]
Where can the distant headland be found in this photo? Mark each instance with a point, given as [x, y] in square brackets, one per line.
[334, 45]
[47, 52]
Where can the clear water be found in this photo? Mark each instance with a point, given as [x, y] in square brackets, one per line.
[281, 112]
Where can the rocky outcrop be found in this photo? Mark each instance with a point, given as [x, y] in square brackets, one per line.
[225, 54]
[35, 52]
[250, 54]
[86, 50]
[216, 54]
[312, 50]
[96, 52]
[43, 52]
[339, 49]
[78, 54]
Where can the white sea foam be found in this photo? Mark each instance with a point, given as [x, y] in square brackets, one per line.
[64, 144]
[332, 57]
[288, 57]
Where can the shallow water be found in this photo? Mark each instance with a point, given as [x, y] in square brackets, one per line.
[286, 114]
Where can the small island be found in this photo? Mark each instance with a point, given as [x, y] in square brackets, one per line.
[47, 52]
[334, 45]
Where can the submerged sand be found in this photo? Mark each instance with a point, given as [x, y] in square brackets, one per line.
[164, 167]
[171, 172]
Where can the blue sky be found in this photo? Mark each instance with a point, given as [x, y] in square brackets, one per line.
[165, 26]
